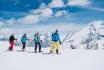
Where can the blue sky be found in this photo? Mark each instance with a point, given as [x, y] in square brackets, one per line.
[50, 13]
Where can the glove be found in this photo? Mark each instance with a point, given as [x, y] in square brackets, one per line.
[60, 42]
[16, 39]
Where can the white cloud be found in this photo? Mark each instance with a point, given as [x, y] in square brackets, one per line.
[43, 6]
[43, 11]
[11, 21]
[56, 3]
[34, 12]
[34, 16]
[29, 19]
[1, 23]
[47, 12]
[61, 13]
[38, 11]
[79, 2]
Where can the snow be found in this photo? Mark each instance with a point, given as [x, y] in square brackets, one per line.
[88, 36]
[91, 36]
[67, 60]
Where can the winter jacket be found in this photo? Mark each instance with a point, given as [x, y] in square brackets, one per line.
[37, 38]
[23, 39]
[11, 39]
[55, 37]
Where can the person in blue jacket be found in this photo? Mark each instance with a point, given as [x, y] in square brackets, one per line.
[37, 42]
[56, 42]
[23, 40]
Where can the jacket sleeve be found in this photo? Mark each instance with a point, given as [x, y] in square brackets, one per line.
[14, 38]
[59, 39]
[52, 37]
[21, 38]
[34, 38]
[9, 38]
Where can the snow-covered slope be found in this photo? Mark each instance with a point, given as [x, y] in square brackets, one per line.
[67, 60]
[4, 45]
[88, 36]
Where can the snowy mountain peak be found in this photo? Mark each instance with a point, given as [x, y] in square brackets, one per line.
[96, 24]
[88, 35]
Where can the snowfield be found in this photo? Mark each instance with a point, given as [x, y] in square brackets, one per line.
[89, 37]
[68, 59]
[83, 50]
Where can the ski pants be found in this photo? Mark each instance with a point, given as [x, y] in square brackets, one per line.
[37, 44]
[24, 44]
[11, 45]
[55, 46]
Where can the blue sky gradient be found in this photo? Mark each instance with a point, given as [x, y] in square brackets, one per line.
[80, 15]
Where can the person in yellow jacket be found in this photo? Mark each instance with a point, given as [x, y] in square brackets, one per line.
[55, 42]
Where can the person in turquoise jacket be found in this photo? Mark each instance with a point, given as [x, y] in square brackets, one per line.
[23, 40]
[37, 42]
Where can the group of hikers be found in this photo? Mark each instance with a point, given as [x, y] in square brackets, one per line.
[54, 46]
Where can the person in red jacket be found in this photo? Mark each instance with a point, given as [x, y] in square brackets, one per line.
[11, 41]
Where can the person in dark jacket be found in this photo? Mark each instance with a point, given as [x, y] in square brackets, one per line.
[55, 42]
[23, 40]
[37, 42]
[11, 41]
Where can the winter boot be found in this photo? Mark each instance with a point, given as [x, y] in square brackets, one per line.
[23, 50]
[51, 51]
[57, 52]
[40, 51]
[10, 49]
[35, 51]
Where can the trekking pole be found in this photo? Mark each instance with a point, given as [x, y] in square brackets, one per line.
[29, 44]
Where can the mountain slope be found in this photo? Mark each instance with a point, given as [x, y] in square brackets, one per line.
[88, 36]
[67, 60]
